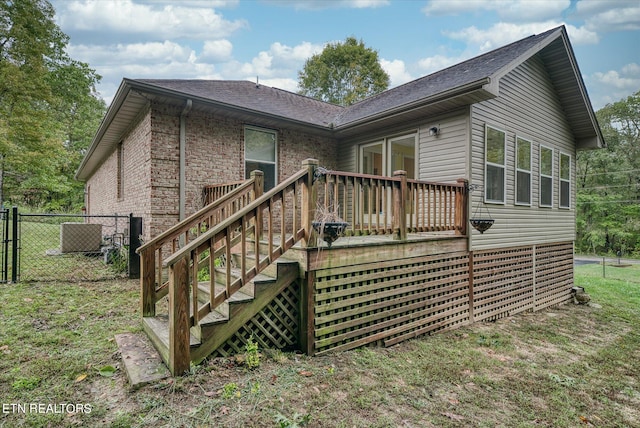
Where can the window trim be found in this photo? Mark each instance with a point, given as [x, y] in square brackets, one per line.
[562, 180]
[275, 148]
[541, 175]
[503, 166]
[529, 171]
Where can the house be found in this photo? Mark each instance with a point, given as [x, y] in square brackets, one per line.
[494, 136]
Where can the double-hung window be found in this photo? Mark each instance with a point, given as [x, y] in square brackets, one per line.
[495, 157]
[523, 172]
[565, 180]
[260, 154]
[546, 177]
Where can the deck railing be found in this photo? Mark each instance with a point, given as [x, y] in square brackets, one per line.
[213, 192]
[375, 205]
[226, 244]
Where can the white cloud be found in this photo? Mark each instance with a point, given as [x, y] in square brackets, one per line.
[628, 78]
[134, 53]
[397, 71]
[196, 3]
[123, 19]
[334, 4]
[503, 33]
[216, 50]
[279, 61]
[285, 83]
[613, 85]
[438, 62]
[520, 10]
[620, 19]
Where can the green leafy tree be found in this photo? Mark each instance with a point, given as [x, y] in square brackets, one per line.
[47, 105]
[343, 73]
[608, 183]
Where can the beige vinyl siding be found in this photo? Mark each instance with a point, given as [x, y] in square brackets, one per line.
[527, 107]
[443, 157]
[347, 159]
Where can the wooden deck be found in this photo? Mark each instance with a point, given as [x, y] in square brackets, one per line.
[402, 269]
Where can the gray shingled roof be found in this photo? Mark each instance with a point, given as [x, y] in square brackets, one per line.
[251, 96]
[277, 102]
[426, 87]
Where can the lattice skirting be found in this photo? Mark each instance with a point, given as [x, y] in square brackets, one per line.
[390, 301]
[274, 327]
[387, 302]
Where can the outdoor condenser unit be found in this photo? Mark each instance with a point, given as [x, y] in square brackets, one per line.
[80, 237]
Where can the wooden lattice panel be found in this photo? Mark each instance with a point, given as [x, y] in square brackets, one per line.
[274, 327]
[502, 282]
[554, 274]
[389, 301]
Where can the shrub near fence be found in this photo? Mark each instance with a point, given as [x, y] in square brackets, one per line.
[55, 247]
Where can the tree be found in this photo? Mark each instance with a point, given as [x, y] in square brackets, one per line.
[608, 183]
[43, 95]
[343, 73]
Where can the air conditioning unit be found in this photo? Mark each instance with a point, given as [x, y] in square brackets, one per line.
[80, 237]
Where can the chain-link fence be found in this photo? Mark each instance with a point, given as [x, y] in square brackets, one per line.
[609, 268]
[55, 247]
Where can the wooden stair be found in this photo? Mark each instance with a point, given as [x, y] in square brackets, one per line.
[214, 329]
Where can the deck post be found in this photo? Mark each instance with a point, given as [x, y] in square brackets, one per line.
[471, 296]
[306, 329]
[309, 201]
[400, 193]
[179, 331]
[462, 207]
[148, 282]
[258, 183]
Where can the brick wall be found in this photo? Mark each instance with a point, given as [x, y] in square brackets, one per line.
[214, 155]
[102, 188]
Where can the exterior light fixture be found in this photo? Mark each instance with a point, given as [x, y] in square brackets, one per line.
[434, 130]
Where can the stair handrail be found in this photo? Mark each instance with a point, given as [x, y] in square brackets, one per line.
[182, 252]
[152, 286]
[183, 264]
[196, 218]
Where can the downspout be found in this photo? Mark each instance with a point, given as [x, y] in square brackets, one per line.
[183, 160]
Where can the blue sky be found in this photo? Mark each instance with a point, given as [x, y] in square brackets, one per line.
[270, 39]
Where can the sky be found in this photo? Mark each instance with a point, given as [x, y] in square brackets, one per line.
[270, 40]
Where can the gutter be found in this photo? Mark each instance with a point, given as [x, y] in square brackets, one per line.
[183, 159]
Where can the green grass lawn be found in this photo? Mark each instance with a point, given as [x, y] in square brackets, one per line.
[569, 366]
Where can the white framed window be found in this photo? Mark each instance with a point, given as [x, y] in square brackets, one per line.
[565, 180]
[546, 177]
[495, 154]
[260, 153]
[523, 171]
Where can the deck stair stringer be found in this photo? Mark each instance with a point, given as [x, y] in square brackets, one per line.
[221, 324]
[214, 335]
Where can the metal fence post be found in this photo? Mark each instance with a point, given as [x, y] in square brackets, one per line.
[135, 231]
[14, 245]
